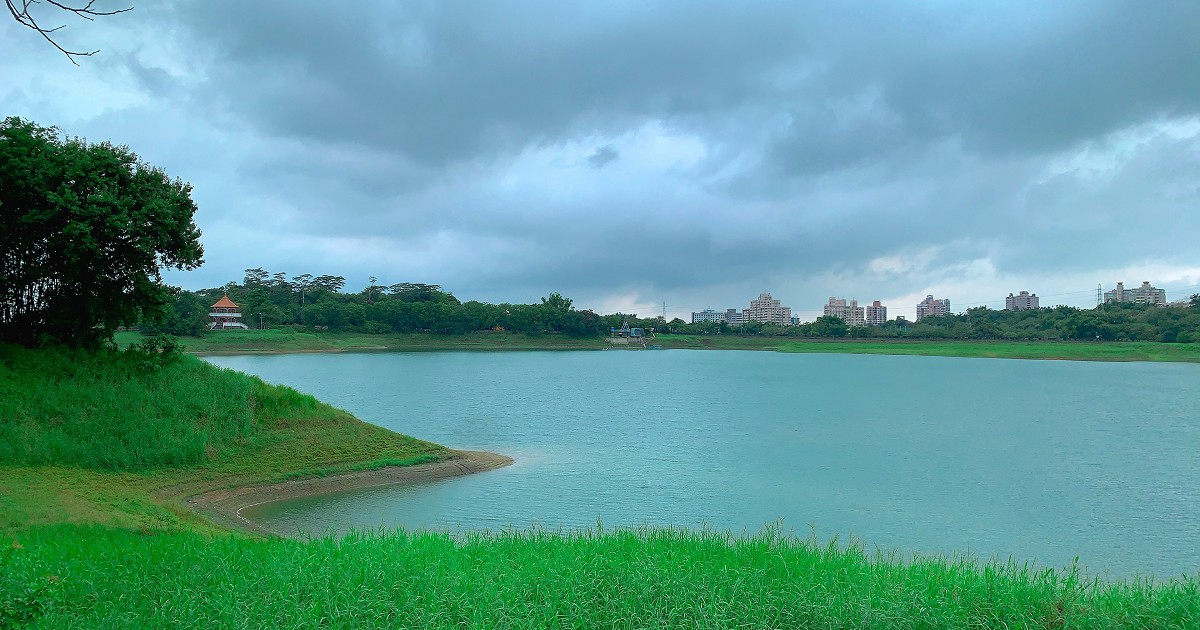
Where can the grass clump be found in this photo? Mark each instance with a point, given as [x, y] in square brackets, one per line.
[374, 464]
[117, 410]
[650, 578]
[122, 438]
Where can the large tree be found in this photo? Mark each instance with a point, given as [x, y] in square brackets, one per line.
[84, 231]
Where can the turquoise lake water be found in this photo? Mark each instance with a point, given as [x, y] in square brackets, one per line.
[1034, 460]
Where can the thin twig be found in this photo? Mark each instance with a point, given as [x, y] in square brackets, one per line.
[22, 16]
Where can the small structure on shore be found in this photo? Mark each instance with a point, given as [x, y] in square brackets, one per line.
[626, 332]
[225, 315]
[625, 335]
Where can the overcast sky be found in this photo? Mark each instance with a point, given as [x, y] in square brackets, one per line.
[628, 154]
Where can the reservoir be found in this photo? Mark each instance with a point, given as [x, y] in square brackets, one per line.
[1039, 461]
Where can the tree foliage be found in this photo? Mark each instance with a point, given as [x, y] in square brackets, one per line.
[316, 302]
[84, 231]
[186, 315]
[1108, 322]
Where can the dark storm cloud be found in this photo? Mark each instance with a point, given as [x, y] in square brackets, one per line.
[864, 127]
[1100, 208]
[451, 81]
[154, 80]
[680, 146]
[603, 156]
[446, 81]
[1010, 78]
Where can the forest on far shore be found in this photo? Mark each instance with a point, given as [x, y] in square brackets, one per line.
[319, 303]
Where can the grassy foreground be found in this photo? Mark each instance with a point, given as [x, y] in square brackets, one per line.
[625, 579]
[97, 453]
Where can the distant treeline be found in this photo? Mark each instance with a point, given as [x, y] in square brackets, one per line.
[1108, 322]
[318, 303]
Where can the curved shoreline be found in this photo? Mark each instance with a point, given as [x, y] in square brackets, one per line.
[224, 507]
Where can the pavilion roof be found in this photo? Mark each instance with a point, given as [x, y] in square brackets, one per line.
[224, 302]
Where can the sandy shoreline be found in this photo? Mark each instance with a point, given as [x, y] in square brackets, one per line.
[225, 507]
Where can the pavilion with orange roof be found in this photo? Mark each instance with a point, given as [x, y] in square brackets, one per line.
[225, 315]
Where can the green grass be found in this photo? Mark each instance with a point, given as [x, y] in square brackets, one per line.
[104, 438]
[111, 410]
[1078, 351]
[658, 578]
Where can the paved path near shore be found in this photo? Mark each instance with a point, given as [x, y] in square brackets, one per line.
[225, 506]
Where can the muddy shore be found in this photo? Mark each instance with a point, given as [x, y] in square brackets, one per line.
[224, 507]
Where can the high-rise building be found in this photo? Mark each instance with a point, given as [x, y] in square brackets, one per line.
[849, 312]
[1144, 294]
[876, 314]
[767, 309]
[930, 307]
[1021, 302]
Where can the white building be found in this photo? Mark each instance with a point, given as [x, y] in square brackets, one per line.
[1021, 302]
[1144, 294]
[849, 312]
[731, 315]
[876, 314]
[930, 307]
[767, 309]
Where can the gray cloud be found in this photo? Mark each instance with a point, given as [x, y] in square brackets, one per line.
[447, 81]
[706, 151]
[603, 156]
[443, 81]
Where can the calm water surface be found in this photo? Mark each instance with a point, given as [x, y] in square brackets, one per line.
[1037, 460]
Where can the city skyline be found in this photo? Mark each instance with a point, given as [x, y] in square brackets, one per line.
[1016, 300]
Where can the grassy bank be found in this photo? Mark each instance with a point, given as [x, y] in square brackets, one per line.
[234, 342]
[647, 579]
[287, 340]
[97, 453]
[118, 439]
[1076, 351]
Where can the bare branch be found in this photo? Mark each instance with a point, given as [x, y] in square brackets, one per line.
[20, 12]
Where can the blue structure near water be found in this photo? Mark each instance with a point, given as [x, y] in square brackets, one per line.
[626, 331]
